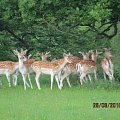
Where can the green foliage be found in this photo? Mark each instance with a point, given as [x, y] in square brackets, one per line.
[57, 25]
[115, 44]
[100, 11]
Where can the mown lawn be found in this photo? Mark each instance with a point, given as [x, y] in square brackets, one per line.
[74, 103]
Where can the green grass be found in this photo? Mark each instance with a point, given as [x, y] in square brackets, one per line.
[74, 103]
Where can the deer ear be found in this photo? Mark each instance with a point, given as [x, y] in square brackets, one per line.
[15, 52]
[100, 52]
[81, 52]
[105, 49]
[29, 56]
[64, 54]
[24, 52]
[90, 51]
[48, 53]
[39, 53]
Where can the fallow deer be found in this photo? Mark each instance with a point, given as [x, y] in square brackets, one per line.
[9, 68]
[24, 66]
[69, 69]
[107, 65]
[87, 66]
[86, 56]
[29, 60]
[51, 68]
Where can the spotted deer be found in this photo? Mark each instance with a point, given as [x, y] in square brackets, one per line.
[69, 69]
[107, 65]
[86, 56]
[85, 67]
[9, 68]
[24, 66]
[51, 68]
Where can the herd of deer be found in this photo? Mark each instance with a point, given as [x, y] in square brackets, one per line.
[59, 69]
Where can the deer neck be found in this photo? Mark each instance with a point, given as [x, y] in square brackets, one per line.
[63, 64]
[21, 63]
[85, 57]
[44, 60]
[108, 58]
[16, 65]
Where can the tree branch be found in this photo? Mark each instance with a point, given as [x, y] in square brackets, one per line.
[17, 37]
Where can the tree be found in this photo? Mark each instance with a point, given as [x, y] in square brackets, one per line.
[58, 25]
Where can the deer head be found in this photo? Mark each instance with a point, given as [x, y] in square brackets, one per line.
[85, 55]
[44, 56]
[107, 53]
[21, 55]
[95, 55]
[67, 57]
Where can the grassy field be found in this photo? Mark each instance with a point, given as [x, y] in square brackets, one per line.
[74, 103]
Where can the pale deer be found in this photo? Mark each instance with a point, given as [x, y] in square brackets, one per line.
[51, 68]
[24, 66]
[9, 68]
[29, 60]
[85, 67]
[107, 65]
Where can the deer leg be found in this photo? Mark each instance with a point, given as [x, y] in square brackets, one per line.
[37, 80]
[81, 77]
[8, 78]
[61, 82]
[109, 75]
[0, 80]
[30, 81]
[89, 78]
[67, 78]
[57, 80]
[14, 79]
[104, 75]
[24, 80]
[95, 73]
[52, 80]
[85, 79]
[112, 72]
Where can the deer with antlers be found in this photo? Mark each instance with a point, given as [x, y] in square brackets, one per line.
[24, 66]
[51, 68]
[107, 64]
[85, 67]
[44, 56]
[29, 60]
